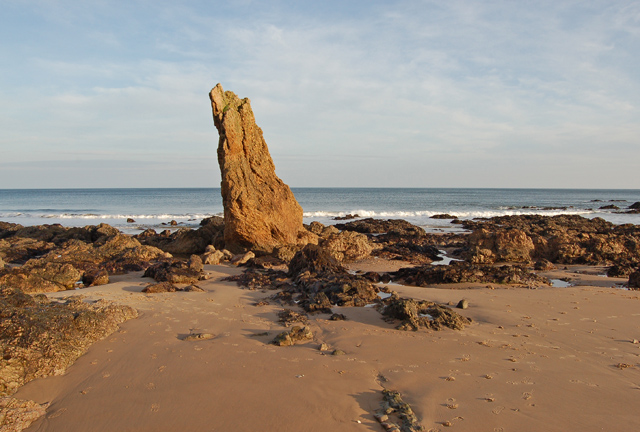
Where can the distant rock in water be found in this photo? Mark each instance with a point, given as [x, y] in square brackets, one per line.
[260, 211]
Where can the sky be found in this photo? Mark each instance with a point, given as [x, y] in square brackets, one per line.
[348, 93]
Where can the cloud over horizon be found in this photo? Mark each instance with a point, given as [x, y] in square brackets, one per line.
[411, 94]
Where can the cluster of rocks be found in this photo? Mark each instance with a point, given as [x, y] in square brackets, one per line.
[185, 241]
[55, 258]
[400, 240]
[40, 337]
[316, 282]
[565, 239]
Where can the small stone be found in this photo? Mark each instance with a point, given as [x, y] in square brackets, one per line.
[199, 336]
[338, 352]
[463, 304]
[323, 347]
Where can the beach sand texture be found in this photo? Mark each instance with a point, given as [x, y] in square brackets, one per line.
[553, 359]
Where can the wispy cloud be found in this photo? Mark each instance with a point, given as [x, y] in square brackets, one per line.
[413, 84]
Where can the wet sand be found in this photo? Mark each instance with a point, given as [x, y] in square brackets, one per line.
[553, 359]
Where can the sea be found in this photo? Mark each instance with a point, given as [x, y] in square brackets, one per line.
[156, 208]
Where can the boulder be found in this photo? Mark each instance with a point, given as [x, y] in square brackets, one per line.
[176, 271]
[241, 259]
[635, 206]
[392, 227]
[314, 259]
[348, 246]
[260, 211]
[212, 257]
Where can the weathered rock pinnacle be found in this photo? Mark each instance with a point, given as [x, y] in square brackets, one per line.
[260, 211]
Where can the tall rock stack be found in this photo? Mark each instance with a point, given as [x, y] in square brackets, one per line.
[260, 211]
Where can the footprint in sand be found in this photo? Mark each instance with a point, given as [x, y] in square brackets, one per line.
[155, 407]
[497, 410]
[150, 386]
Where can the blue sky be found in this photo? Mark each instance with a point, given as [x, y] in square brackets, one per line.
[348, 93]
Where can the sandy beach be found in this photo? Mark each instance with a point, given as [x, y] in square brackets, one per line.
[555, 359]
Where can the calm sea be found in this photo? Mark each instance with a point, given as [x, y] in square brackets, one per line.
[151, 208]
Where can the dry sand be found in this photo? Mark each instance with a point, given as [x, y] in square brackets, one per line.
[550, 359]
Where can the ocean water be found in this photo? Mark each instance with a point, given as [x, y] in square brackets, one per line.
[155, 208]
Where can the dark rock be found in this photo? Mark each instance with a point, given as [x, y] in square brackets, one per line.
[460, 272]
[346, 217]
[338, 352]
[444, 216]
[544, 265]
[130, 220]
[161, 287]
[295, 335]
[635, 206]
[173, 223]
[621, 270]
[176, 271]
[95, 277]
[314, 259]
[260, 211]
[396, 227]
[610, 207]
[414, 315]
[463, 304]
[338, 317]
[634, 280]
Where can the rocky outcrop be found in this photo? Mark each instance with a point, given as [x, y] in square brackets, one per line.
[185, 241]
[64, 266]
[565, 239]
[39, 337]
[260, 211]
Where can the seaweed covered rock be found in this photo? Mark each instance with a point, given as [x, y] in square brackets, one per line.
[260, 211]
[414, 315]
[39, 337]
[459, 272]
